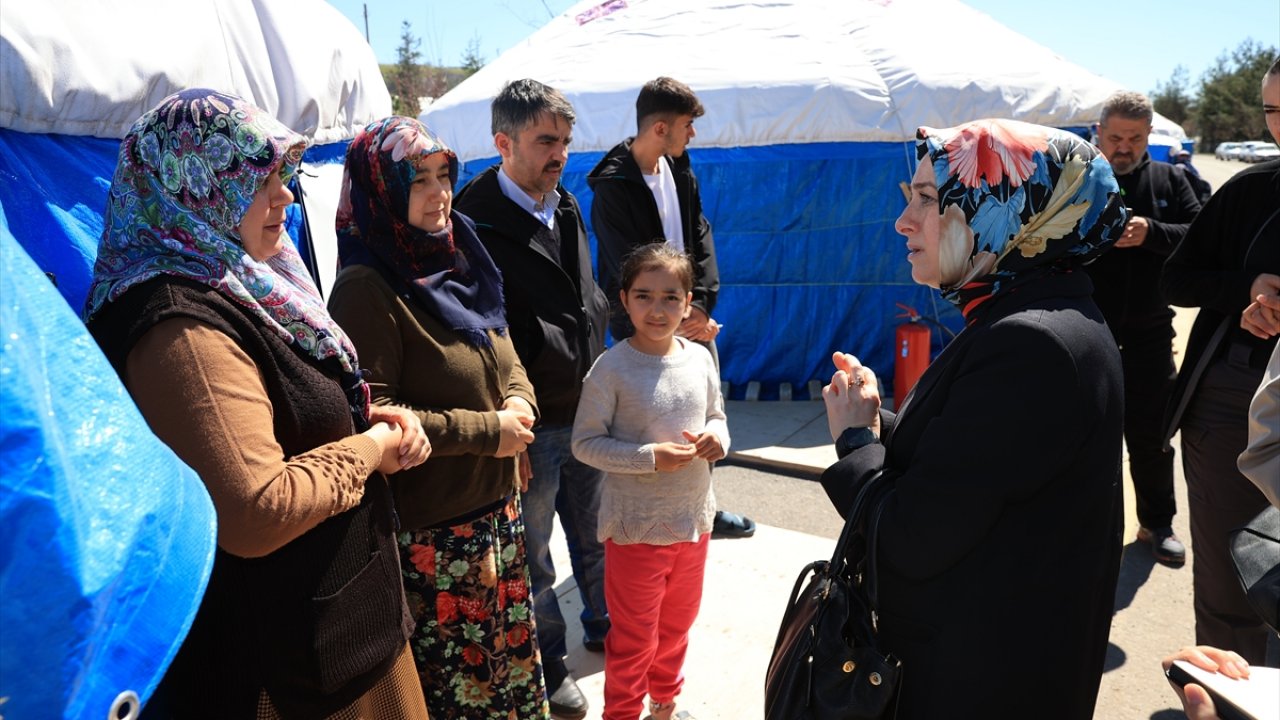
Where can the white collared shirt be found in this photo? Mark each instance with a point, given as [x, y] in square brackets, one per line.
[544, 211]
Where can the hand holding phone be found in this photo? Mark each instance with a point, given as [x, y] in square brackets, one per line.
[1254, 698]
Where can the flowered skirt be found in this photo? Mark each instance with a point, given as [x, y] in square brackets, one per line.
[473, 641]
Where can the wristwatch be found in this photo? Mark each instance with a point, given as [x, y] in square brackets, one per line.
[853, 438]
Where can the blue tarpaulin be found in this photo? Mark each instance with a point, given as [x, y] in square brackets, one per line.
[108, 538]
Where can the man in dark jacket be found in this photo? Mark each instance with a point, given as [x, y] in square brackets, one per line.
[1228, 266]
[533, 228]
[645, 192]
[1126, 288]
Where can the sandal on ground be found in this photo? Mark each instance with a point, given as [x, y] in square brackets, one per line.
[655, 708]
[732, 525]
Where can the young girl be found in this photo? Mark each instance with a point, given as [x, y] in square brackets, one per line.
[652, 418]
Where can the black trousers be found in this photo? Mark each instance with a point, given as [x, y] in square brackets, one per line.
[1214, 433]
[1146, 352]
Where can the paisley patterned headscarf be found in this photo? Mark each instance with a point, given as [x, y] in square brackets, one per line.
[449, 272]
[187, 172]
[1018, 201]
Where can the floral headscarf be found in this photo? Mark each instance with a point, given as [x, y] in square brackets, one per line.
[449, 272]
[1023, 201]
[187, 171]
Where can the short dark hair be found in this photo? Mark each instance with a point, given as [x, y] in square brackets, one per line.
[522, 102]
[665, 96]
[1275, 67]
[655, 256]
[1127, 104]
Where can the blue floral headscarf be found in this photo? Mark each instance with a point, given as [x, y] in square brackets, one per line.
[187, 171]
[449, 272]
[1035, 201]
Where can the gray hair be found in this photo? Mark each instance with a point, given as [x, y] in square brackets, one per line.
[522, 102]
[1127, 104]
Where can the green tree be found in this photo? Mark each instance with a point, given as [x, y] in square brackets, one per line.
[1173, 99]
[1230, 102]
[472, 60]
[406, 81]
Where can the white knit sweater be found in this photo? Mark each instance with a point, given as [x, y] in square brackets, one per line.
[630, 402]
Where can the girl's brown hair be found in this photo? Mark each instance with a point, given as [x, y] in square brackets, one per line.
[657, 256]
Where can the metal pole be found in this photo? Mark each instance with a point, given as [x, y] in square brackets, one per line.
[366, 23]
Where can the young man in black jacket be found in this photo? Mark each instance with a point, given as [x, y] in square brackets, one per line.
[533, 228]
[1126, 283]
[645, 192]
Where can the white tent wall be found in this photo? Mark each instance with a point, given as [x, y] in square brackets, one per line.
[72, 72]
[811, 112]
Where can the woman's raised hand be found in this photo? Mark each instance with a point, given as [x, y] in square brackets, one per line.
[852, 397]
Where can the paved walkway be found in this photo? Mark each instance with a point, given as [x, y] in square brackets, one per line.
[748, 582]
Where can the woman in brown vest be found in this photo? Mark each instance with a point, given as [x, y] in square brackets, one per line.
[202, 305]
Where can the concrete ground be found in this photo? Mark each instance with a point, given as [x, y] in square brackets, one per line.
[749, 581]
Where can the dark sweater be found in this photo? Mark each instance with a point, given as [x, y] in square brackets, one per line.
[317, 622]
[1126, 280]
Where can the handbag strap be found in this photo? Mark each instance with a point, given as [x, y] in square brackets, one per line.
[873, 533]
[853, 521]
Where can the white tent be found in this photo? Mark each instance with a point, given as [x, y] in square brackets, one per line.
[72, 70]
[811, 111]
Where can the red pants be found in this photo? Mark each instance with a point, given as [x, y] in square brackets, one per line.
[653, 593]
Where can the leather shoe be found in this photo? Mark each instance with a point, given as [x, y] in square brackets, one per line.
[567, 701]
[595, 646]
[1165, 546]
[732, 525]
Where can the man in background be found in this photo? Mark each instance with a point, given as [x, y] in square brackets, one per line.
[1126, 283]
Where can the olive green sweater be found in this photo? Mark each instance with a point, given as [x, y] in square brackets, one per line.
[456, 389]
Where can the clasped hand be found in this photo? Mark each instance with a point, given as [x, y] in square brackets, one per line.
[514, 420]
[1262, 317]
[400, 435]
[852, 397]
[669, 456]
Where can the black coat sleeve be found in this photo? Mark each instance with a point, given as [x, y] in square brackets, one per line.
[703, 250]
[1206, 268]
[612, 219]
[1011, 418]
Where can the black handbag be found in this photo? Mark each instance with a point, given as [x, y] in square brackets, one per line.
[1255, 551]
[826, 663]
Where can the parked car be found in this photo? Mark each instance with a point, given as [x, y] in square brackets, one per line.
[1224, 150]
[1259, 151]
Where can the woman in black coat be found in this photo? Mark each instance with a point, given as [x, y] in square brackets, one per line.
[999, 542]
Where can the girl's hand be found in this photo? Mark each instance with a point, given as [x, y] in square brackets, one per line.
[388, 437]
[853, 396]
[669, 456]
[415, 447]
[516, 435]
[706, 446]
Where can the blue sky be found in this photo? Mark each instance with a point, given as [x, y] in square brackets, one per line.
[1134, 42]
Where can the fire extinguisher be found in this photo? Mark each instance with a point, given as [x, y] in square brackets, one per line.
[911, 353]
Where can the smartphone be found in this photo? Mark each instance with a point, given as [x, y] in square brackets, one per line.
[1233, 699]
